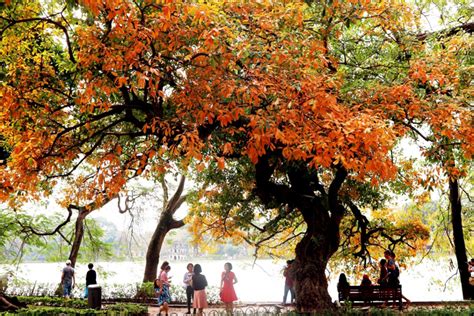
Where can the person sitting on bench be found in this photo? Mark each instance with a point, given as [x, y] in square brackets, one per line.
[365, 281]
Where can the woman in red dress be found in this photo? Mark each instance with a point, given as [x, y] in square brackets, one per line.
[227, 291]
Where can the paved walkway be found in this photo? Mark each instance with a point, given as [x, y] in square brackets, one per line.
[239, 309]
[276, 308]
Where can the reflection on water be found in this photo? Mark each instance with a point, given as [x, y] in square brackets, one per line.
[258, 282]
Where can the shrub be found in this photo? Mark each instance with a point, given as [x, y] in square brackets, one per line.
[53, 301]
[109, 291]
[111, 310]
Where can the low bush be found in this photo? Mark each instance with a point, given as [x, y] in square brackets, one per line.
[109, 291]
[451, 310]
[178, 293]
[53, 301]
[110, 310]
[132, 309]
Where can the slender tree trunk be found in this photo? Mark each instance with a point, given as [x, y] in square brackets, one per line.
[153, 252]
[78, 236]
[165, 224]
[458, 236]
[82, 213]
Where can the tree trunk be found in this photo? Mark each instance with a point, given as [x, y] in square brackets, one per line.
[153, 252]
[78, 235]
[322, 213]
[82, 213]
[165, 224]
[458, 236]
[312, 255]
[309, 268]
[321, 241]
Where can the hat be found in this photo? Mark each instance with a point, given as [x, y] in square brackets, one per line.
[68, 262]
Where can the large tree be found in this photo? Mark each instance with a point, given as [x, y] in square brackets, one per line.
[310, 146]
[128, 86]
[443, 124]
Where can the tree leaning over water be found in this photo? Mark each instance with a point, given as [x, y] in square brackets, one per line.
[128, 86]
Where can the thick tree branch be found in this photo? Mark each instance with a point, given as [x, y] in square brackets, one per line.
[467, 27]
[362, 223]
[335, 186]
[32, 230]
[176, 224]
[176, 200]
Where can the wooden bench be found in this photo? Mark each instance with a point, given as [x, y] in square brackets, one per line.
[372, 295]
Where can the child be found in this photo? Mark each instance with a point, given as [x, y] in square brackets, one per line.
[91, 278]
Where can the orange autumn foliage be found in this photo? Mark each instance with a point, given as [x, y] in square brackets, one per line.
[162, 74]
[123, 88]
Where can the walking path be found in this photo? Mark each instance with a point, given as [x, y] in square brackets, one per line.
[239, 309]
[276, 308]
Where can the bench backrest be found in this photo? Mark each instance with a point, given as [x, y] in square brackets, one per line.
[370, 293]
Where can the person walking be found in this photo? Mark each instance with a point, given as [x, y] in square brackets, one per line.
[289, 283]
[67, 279]
[164, 273]
[199, 284]
[162, 296]
[227, 291]
[188, 278]
[91, 278]
[165, 281]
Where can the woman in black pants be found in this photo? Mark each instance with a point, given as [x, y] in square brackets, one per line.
[188, 276]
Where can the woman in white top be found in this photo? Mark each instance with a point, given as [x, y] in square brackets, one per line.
[188, 277]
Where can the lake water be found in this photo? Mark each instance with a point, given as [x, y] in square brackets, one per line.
[260, 281]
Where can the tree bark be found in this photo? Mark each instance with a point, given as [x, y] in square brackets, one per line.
[458, 236]
[82, 213]
[153, 252]
[78, 236]
[309, 268]
[165, 224]
[322, 214]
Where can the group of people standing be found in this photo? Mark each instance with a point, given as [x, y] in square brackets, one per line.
[195, 283]
[389, 271]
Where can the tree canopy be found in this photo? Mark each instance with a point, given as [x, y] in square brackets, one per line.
[294, 107]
